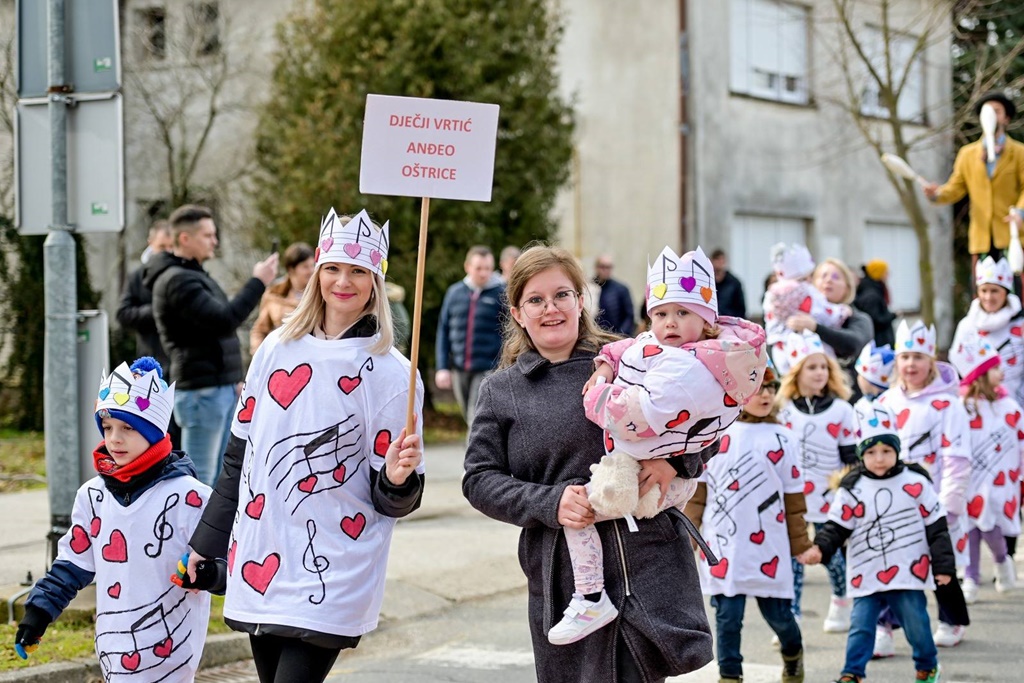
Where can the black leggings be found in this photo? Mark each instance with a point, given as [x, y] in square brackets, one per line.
[290, 660]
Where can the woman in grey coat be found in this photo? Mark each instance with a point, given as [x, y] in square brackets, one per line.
[528, 459]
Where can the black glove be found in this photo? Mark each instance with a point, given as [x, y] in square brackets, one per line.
[211, 575]
[31, 629]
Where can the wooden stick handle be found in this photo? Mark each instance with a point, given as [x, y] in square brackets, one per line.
[414, 346]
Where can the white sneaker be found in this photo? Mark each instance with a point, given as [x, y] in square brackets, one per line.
[776, 643]
[582, 617]
[970, 589]
[1006, 575]
[884, 644]
[948, 635]
[838, 618]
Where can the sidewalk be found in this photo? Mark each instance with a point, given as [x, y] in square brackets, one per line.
[445, 552]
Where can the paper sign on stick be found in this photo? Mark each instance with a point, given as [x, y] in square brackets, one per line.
[415, 147]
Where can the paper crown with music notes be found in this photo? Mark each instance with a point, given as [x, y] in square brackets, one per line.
[800, 345]
[139, 396]
[876, 364]
[357, 242]
[972, 357]
[988, 271]
[916, 338]
[875, 424]
[792, 262]
[687, 280]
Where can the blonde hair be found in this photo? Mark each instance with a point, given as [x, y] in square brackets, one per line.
[844, 270]
[980, 388]
[838, 384]
[310, 312]
[933, 373]
[536, 259]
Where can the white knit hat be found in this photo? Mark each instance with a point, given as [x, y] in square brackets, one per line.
[359, 242]
[792, 262]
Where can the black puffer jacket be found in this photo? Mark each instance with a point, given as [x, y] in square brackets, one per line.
[531, 439]
[197, 322]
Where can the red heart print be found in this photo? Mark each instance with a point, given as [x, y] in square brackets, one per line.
[1000, 479]
[920, 341]
[703, 557]
[193, 500]
[248, 406]
[825, 507]
[805, 305]
[886, 576]
[1016, 330]
[776, 455]
[999, 447]
[847, 513]
[789, 425]
[975, 506]
[846, 432]
[921, 567]
[115, 590]
[757, 537]
[857, 580]
[1015, 475]
[231, 557]
[723, 445]
[833, 429]
[976, 423]
[1012, 419]
[781, 517]
[339, 473]
[609, 443]
[901, 419]
[1010, 508]
[682, 417]
[793, 353]
[770, 568]
[353, 526]
[1020, 435]
[254, 508]
[349, 384]
[1012, 360]
[735, 485]
[258, 575]
[795, 472]
[946, 443]
[940, 405]
[858, 510]
[651, 350]
[729, 401]
[94, 527]
[924, 511]
[163, 650]
[961, 544]
[382, 443]
[930, 458]
[284, 386]
[131, 662]
[117, 549]
[913, 490]
[79, 539]
[808, 488]
[308, 484]
[721, 569]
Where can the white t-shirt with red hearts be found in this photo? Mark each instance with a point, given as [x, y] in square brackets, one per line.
[817, 437]
[888, 549]
[307, 548]
[997, 437]
[146, 627]
[744, 519]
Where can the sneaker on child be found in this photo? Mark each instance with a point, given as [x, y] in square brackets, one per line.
[838, 618]
[929, 676]
[970, 589]
[884, 644]
[948, 635]
[1006, 575]
[581, 618]
[847, 678]
[793, 668]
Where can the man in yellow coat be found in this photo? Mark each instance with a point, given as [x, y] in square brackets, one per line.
[994, 185]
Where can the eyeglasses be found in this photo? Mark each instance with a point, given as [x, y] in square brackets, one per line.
[535, 306]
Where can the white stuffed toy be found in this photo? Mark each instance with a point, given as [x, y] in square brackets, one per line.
[615, 489]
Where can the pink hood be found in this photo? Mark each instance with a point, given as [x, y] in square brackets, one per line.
[737, 358]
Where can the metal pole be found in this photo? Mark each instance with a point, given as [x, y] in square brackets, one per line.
[60, 371]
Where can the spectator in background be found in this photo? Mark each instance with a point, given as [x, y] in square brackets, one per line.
[615, 307]
[282, 297]
[469, 330]
[401, 324]
[730, 289]
[135, 312]
[873, 298]
[508, 259]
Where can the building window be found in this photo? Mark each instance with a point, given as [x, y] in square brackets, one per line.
[769, 50]
[152, 33]
[205, 27]
[910, 105]
[752, 238]
[896, 244]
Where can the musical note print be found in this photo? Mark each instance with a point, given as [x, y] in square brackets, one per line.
[149, 642]
[731, 488]
[162, 530]
[326, 242]
[348, 384]
[315, 564]
[143, 401]
[690, 282]
[95, 497]
[353, 249]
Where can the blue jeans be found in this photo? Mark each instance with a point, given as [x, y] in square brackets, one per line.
[911, 608]
[729, 623]
[205, 419]
[836, 575]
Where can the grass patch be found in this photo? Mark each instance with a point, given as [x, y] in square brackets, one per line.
[23, 465]
[443, 424]
[67, 641]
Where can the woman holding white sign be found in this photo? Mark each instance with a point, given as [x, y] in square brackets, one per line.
[317, 469]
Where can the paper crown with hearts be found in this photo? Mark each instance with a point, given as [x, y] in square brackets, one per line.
[915, 338]
[139, 396]
[875, 423]
[988, 271]
[688, 280]
[798, 346]
[792, 262]
[358, 242]
[876, 364]
[972, 357]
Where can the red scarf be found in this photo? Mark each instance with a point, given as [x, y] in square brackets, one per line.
[104, 463]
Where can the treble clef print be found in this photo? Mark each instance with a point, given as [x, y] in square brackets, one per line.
[315, 564]
[721, 511]
[162, 529]
[879, 535]
[808, 455]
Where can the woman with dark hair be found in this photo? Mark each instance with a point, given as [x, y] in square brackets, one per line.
[282, 297]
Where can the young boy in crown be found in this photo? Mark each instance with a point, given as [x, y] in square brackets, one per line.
[129, 526]
[676, 388]
[792, 293]
[898, 546]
